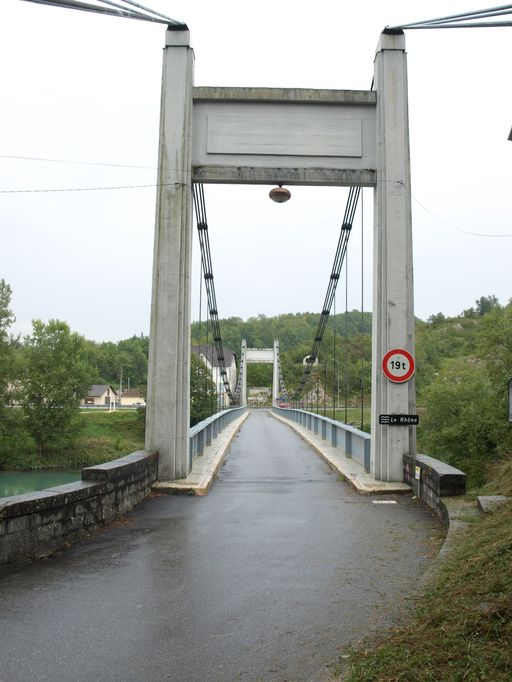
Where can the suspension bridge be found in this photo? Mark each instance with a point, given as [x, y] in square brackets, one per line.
[346, 449]
[285, 137]
[280, 567]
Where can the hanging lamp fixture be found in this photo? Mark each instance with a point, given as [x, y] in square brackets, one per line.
[279, 194]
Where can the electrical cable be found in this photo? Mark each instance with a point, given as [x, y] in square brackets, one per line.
[79, 163]
[167, 184]
[458, 229]
[82, 189]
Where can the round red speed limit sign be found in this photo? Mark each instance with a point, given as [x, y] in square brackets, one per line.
[398, 365]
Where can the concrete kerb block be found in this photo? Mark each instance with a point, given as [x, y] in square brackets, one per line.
[35, 524]
[489, 503]
[360, 482]
[210, 463]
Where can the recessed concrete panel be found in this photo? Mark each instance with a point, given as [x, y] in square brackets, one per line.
[260, 355]
[284, 135]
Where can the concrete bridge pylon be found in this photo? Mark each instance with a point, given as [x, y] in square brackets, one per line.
[267, 356]
[291, 137]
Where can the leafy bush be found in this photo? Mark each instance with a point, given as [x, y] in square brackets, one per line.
[462, 424]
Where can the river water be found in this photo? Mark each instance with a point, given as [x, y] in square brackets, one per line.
[17, 482]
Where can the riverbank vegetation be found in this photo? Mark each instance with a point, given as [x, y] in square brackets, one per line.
[463, 626]
[462, 629]
[463, 365]
[101, 436]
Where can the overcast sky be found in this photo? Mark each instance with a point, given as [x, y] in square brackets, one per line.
[84, 90]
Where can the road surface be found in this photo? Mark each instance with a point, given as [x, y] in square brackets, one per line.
[269, 578]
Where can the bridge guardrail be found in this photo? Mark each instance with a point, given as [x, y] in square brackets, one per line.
[35, 524]
[202, 434]
[352, 442]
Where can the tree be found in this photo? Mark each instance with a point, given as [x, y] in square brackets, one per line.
[259, 375]
[6, 319]
[437, 319]
[54, 378]
[6, 314]
[485, 304]
[495, 349]
[203, 397]
[462, 424]
[6, 345]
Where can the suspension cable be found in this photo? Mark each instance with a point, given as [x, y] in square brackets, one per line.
[347, 371]
[206, 259]
[341, 250]
[282, 387]
[114, 9]
[241, 370]
[213, 394]
[362, 310]
[463, 20]
[200, 387]
[334, 392]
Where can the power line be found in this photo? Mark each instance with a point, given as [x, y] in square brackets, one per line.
[167, 184]
[458, 229]
[71, 161]
[79, 189]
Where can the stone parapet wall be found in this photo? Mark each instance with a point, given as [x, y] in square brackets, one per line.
[35, 524]
[434, 483]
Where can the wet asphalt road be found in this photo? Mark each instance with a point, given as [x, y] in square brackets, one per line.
[269, 577]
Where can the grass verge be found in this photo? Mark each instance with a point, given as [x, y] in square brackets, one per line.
[103, 436]
[463, 625]
[108, 435]
[351, 416]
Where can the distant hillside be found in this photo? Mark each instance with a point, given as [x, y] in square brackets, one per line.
[292, 329]
[296, 333]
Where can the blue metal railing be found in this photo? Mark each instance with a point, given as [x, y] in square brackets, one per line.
[202, 434]
[352, 442]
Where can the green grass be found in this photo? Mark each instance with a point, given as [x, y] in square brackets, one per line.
[462, 629]
[103, 436]
[108, 435]
[352, 415]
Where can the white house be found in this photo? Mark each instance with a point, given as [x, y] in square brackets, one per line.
[100, 395]
[208, 355]
[132, 398]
